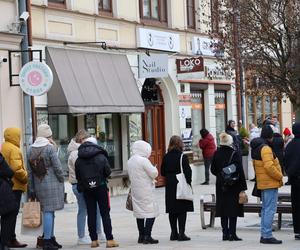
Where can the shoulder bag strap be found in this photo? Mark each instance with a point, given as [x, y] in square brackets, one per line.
[230, 159]
[181, 170]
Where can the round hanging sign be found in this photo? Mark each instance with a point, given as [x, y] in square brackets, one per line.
[35, 78]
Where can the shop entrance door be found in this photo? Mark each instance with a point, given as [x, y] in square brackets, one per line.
[153, 124]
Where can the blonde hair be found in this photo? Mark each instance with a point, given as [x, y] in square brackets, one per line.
[81, 135]
[175, 143]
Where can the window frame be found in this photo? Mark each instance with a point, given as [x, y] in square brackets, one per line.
[58, 5]
[154, 21]
[193, 25]
[105, 12]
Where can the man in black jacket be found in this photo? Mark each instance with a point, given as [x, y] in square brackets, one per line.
[292, 167]
[6, 219]
[92, 169]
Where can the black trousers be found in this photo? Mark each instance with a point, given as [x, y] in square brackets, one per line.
[18, 195]
[145, 226]
[181, 219]
[93, 197]
[7, 229]
[207, 163]
[295, 196]
[229, 225]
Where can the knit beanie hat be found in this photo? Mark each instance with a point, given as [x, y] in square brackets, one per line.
[287, 132]
[267, 132]
[225, 139]
[44, 130]
[296, 129]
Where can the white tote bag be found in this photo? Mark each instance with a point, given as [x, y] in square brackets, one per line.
[184, 191]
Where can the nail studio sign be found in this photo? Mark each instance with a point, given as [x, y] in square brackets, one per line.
[187, 65]
[35, 78]
[153, 66]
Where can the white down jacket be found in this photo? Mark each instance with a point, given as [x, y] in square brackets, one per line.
[142, 175]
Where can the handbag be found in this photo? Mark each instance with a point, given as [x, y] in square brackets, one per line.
[183, 191]
[229, 173]
[8, 201]
[31, 216]
[256, 192]
[243, 197]
[129, 205]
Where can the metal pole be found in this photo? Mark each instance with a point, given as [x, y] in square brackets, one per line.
[26, 98]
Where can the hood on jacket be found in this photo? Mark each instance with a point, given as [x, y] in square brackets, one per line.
[13, 135]
[256, 145]
[296, 129]
[141, 148]
[73, 146]
[89, 150]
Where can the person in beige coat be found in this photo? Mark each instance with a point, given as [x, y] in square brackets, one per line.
[142, 175]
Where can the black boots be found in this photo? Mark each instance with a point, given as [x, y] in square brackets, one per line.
[55, 243]
[141, 238]
[233, 237]
[183, 237]
[4, 247]
[48, 245]
[174, 236]
[270, 241]
[149, 240]
[225, 237]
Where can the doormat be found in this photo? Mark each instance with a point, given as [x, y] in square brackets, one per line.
[284, 224]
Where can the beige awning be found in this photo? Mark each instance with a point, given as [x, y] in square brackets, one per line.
[91, 82]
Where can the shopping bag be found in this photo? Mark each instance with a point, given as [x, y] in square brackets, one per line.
[183, 191]
[31, 217]
[129, 201]
[243, 197]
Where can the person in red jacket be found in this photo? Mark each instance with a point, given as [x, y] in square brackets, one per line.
[208, 146]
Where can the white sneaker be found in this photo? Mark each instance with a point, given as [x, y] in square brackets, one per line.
[84, 241]
[101, 237]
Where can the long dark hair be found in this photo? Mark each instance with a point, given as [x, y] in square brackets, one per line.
[175, 143]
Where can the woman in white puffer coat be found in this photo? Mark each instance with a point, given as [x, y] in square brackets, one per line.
[142, 175]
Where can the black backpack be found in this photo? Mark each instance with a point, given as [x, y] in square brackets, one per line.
[90, 175]
[229, 173]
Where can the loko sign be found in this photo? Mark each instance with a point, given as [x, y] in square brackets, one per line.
[187, 65]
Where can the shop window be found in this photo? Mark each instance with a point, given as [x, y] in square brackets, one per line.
[107, 130]
[261, 107]
[197, 111]
[41, 116]
[221, 111]
[63, 130]
[215, 16]
[190, 10]
[105, 6]
[57, 3]
[150, 92]
[135, 130]
[154, 10]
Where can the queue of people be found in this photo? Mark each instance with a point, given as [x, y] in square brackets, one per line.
[89, 169]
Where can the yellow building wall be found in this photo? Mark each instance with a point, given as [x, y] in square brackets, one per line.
[38, 23]
[128, 10]
[84, 29]
[85, 6]
[177, 10]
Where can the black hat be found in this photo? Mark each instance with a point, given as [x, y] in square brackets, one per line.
[267, 132]
[296, 129]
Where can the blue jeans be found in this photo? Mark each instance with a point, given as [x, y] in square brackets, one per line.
[269, 206]
[48, 225]
[82, 214]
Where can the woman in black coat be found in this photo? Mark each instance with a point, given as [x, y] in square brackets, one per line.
[6, 219]
[177, 209]
[227, 197]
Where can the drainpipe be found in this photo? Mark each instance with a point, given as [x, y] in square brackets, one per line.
[26, 98]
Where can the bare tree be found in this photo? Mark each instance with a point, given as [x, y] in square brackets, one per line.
[265, 36]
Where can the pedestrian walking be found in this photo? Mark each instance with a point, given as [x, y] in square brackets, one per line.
[7, 216]
[287, 136]
[208, 146]
[278, 146]
[227, 197]
[254, 133]
[177, 209]
[46, 182]
[142, 176]
[92, 170]
[73, 146]
[268, 179]
[292, 166]
[11, 151]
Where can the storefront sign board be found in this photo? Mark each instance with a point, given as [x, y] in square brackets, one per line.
[153, 66]
[160, 40]
[203, 46]
[35, 78]
[187, 65]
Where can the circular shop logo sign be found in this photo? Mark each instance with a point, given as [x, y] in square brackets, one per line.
[35, 78]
